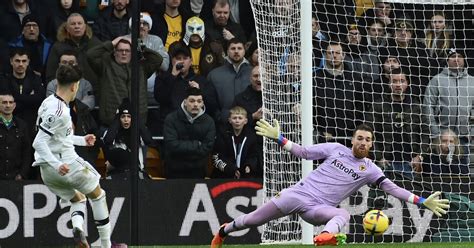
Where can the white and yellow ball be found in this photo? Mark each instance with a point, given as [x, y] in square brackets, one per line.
[375, 222]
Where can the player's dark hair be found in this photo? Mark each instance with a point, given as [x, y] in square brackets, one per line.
[364, 127]
[68, 74]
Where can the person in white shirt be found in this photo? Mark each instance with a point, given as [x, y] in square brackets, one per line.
[62, 170]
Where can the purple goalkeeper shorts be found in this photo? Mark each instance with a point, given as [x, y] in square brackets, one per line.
[295, 200]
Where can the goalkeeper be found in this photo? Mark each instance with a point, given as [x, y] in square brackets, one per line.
[316, 197]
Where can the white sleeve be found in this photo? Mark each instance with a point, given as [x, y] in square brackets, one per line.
[79, 140]
[40, 144]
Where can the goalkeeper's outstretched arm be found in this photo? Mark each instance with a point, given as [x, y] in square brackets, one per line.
[313, 152]
[433, 203]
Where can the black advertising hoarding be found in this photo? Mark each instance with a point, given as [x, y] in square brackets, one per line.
[180, 212]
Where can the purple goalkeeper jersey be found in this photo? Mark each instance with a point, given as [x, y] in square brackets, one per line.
[340, 175]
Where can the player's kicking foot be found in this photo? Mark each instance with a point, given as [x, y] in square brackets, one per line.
[80, 238]
[330, 239]
[218, 239]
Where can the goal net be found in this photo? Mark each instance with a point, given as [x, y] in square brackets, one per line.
[401, 67]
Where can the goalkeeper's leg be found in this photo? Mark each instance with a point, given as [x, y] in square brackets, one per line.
[335, 219]
[268, 211]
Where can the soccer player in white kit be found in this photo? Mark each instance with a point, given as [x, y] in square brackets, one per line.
[65, 173]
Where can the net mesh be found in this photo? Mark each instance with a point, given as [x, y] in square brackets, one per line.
[384, 64]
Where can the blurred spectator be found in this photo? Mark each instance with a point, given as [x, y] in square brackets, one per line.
[449, 98]
[113, 21]
[85, 92]
[206, 54]
[413, 55]
[171, 86]
[117, 144]
[235, 151]
[376, 37]
[398, 126]
[438, 38]
[62, 10]
[189, 135]
[12, 16]
[333, 15]
[170, 19]
[252, 54]
[83, 124]
[240, 13]
[231, 78]
[446, 156]
[251, 98]
[382, 12]
[221, 28]
[25, 86]
[151, 41]
[15, 140]
[336, 86]
[75, 35]
[320, 39]
[381, 86]
[111, 60]
[34, 42]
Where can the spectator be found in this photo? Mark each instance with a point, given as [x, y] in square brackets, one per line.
[336, 86]
[113, 21]
[381, 86]
[398, 127]
[446, 156]
[376, 37]
[382, 12]
[413, 55]
[75, 35]
[171, 86]
[111, 60]
[62, 10]
[221, 27]
[240, 13]
[438, 38]
[235, 150]
[25, 86]
[252, 54]
[231, 78]
[206, 54]
[151, 41]
[170, 20]
[251, 98]
[189, 138]
[320, 39]
[83, 124]
[449, 99]
[34, 42]
[15, 140]
[85, 93]
[117, 144]
[12, 16]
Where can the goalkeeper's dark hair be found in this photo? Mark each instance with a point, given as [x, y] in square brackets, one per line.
[364, 127]
[68, 74]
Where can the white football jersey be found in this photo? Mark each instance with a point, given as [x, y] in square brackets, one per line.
[54, 142]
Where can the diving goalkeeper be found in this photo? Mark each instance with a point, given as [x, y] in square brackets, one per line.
[315, 197]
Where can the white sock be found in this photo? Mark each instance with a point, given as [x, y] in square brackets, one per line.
[101, 217]
[77, 212]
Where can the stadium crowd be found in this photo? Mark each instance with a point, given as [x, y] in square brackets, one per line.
[200, 86]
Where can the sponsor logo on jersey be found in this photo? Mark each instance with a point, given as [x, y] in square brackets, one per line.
[338, 164]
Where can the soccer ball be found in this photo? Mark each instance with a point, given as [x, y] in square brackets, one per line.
[375, 222]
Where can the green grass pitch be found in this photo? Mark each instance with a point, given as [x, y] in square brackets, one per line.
[395, 245]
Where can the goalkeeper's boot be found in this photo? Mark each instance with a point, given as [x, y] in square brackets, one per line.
[330, 239]
[219, 238]
[80, 238]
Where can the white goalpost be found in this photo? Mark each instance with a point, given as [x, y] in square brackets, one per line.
[301, 89]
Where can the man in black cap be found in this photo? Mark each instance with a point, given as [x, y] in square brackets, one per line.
[34, 42]
[449, 98]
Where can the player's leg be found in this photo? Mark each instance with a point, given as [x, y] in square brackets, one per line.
[101, 215]
[334, 218]
[268, 211]
[77, 211]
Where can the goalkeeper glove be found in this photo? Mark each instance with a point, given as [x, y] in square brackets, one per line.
[436, 205]
[265, 129]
